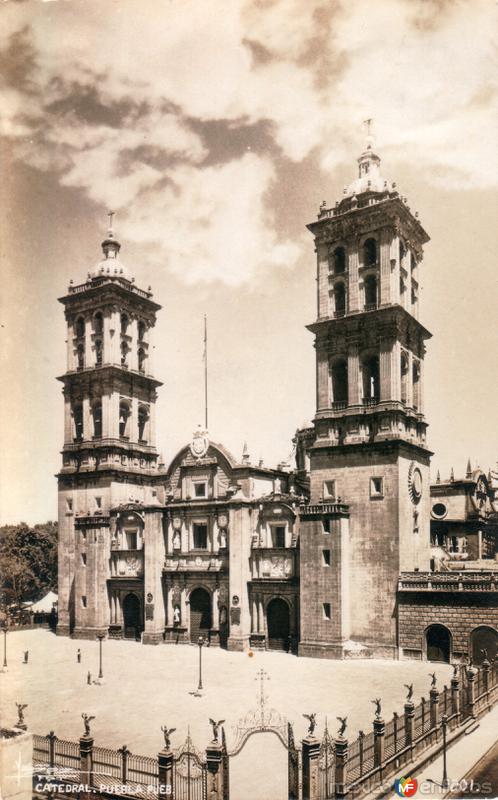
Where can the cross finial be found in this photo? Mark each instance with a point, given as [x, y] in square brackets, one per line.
[110, 214]
[368, 127]
[262, 676]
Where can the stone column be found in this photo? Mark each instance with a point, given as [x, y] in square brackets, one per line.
[455, 695]
[89, 355]
[311, 781]
[239, 561]
[106, 338]
[421, 385]
[114, 336]
[353, 374]
[379, 727]
[215, 773]
[341, 758]
[154, 556]
[261, 616]
[149, 369]
[87, 420]
[323, 377]
[409, 380]
[322, 279]
[68, 421]
[396, 371]
[214, 637]
[86, 764]
[185, 535]
[133, 355]
[353, 294]
[133, 421]
[385, 368]
[165, 761]
[106, 415]
[385, 267]
[215, 544]
[69, 347]
[185, 616]
[409, 723]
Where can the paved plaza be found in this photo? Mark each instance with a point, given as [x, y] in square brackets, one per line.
[145, 687]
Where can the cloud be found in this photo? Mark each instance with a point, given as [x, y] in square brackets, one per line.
[109, 102]
[212, 223]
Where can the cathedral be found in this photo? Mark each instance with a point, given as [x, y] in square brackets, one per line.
[348, 552]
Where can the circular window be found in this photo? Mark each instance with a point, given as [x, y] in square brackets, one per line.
[439, 510]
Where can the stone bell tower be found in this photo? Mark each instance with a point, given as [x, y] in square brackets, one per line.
[369, 454]
[109, 455]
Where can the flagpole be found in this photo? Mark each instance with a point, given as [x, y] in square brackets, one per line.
[205, 373]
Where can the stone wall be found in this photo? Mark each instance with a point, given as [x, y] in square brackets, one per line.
[461, 613]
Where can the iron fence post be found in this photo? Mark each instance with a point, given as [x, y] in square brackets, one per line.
[51, 749]
[86, 766]
[311, 755]
[471, 699]
[434, 709]
[341, 757]
[214, 754]
[455, 695]
[165, 760]
[124, 763]
[379, 727]
[486, 666]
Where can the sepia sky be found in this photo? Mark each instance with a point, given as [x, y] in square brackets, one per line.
[214, 129]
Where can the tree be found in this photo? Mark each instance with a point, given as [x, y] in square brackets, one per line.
[28, 561]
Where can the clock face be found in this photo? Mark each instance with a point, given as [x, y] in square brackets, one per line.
[415, 483]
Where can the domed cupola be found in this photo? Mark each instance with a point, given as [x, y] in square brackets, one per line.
[111, 265]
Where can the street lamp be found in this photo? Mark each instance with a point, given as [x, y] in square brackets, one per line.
[100, 637]
[200, 642]
[444, 724]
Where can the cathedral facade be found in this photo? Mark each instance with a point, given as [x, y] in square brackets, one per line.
[308, 558]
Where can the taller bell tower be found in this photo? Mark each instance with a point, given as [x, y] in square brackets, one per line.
[109, 456]
[369, 459]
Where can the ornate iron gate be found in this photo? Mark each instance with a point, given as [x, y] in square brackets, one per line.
[190, 773]
[266, 720]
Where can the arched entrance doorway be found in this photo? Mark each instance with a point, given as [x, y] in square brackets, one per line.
[483, 638]
[132, 616]
[438, 640]
[278, 620]
[200, 614]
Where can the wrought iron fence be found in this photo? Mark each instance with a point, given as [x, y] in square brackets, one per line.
[361, 756]
[394, 737]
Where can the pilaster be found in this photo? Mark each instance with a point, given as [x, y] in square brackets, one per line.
[353, 293]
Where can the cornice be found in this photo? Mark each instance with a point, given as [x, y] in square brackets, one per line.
[106, 372]
[391, 320]
[391, 212]
[108, 289]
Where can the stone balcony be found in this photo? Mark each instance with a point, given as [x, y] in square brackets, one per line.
[328, 507]
[196, 562]
[273, 563]
[446, 582]
[127, 563]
